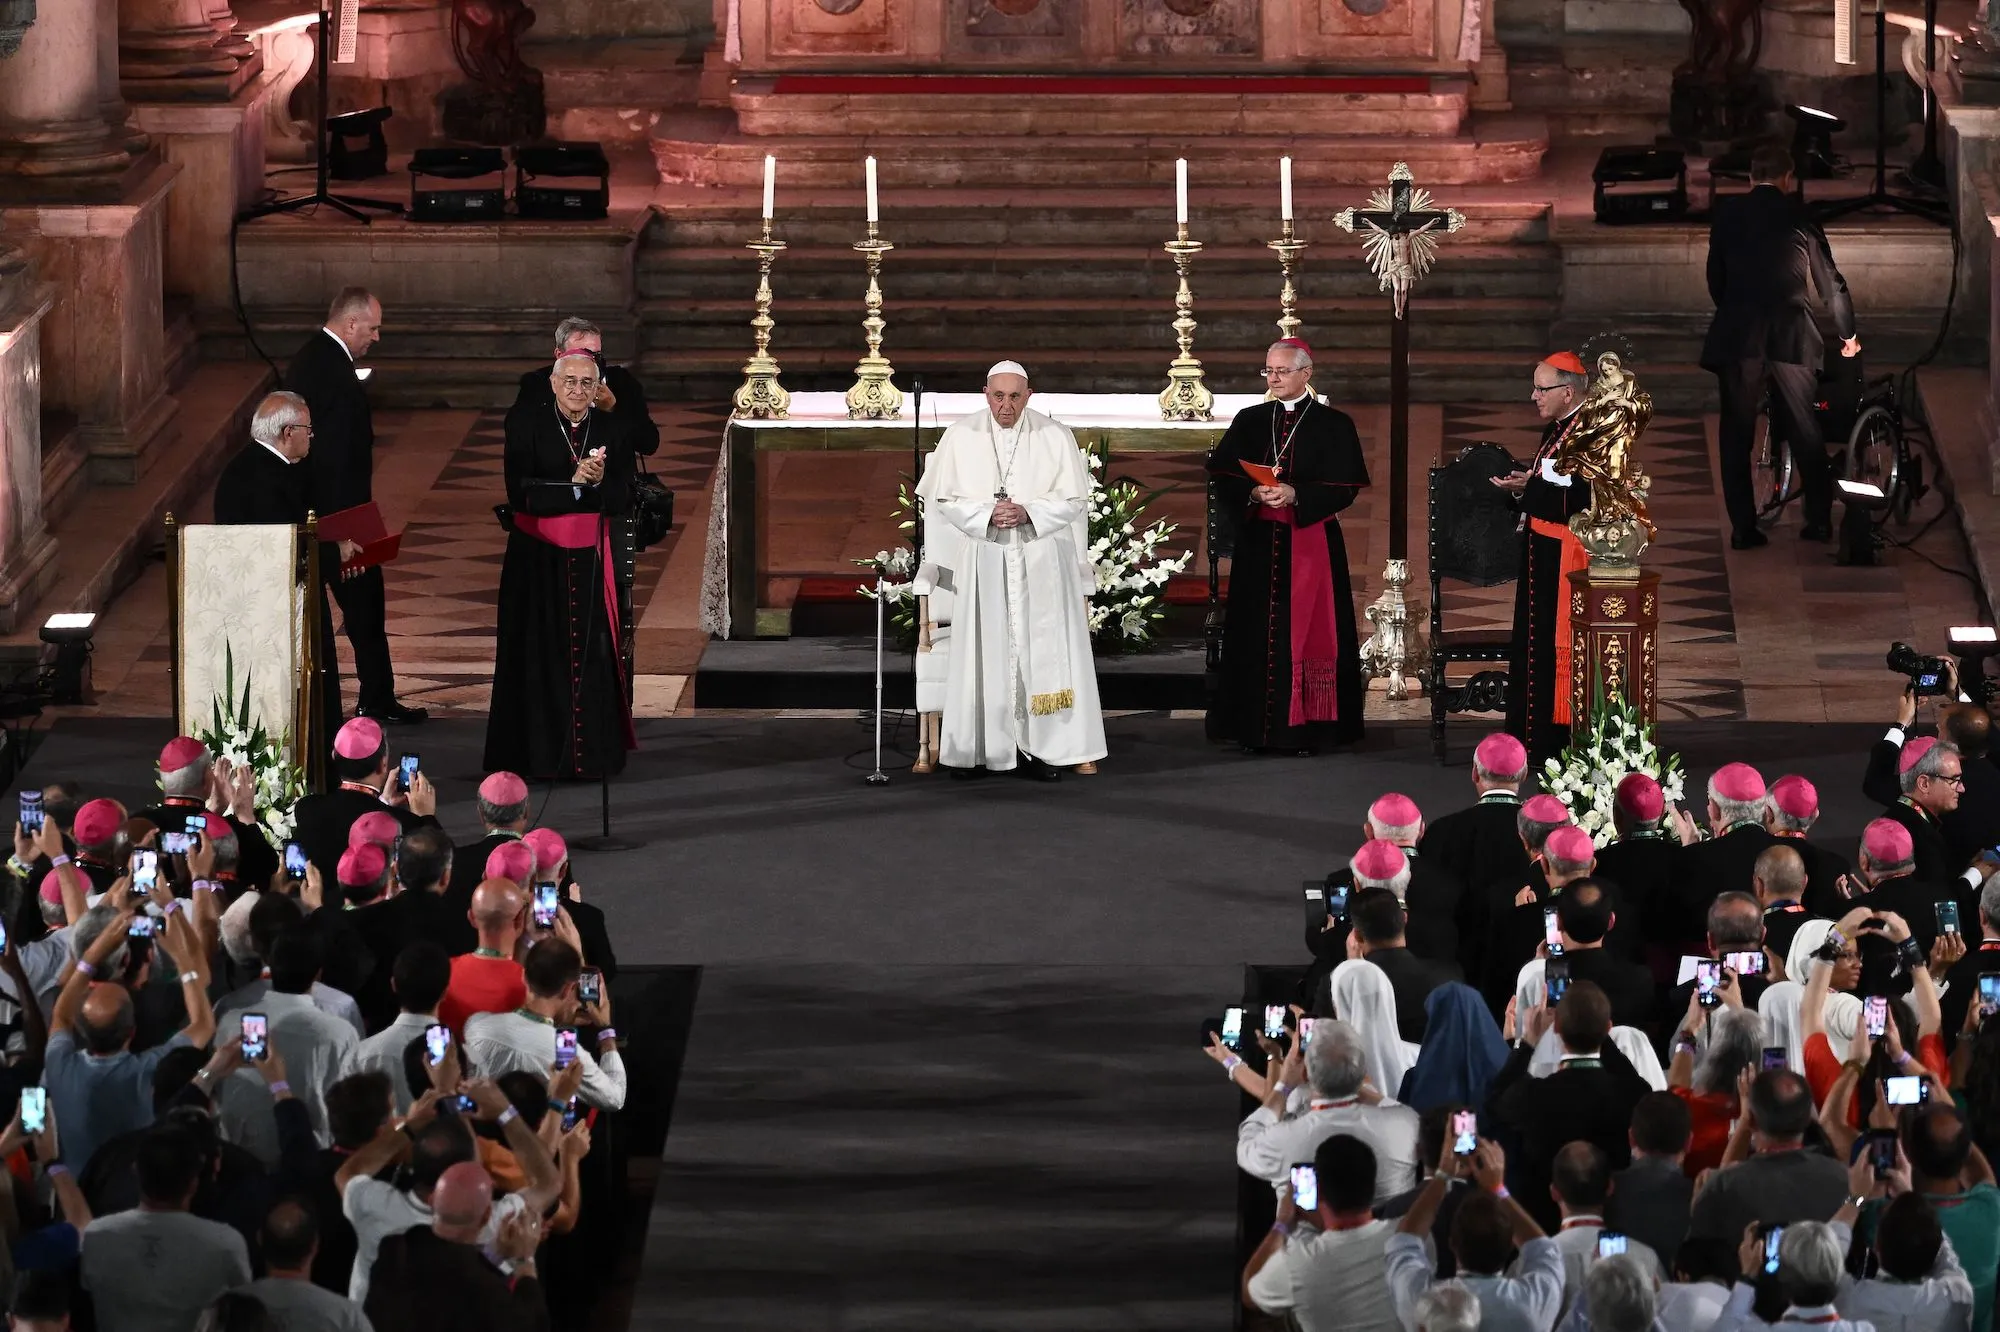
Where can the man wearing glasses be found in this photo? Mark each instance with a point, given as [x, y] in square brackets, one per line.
[1291, 664]
[1538, 671]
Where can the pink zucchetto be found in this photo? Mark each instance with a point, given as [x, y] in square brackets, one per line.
[182, 752]
[1378, 861]
[377, 825]
[1545, 809]
[1571, 845]
[1640, 797]
[549, 847]
[1501, 754]
[97, 822]
[1887, 842]
[358, 739]
[513, 860]
[1394, 810]
[1913, 752]
[503, 788]
[1738, 781]
[363, 866]
[1795, 797]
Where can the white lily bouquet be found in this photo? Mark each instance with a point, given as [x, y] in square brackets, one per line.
[1617, 741]
[229, 735]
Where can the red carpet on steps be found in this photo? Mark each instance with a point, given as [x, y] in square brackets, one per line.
[1094, 85]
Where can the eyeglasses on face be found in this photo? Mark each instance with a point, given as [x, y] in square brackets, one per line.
[575, 382]
[306, 428]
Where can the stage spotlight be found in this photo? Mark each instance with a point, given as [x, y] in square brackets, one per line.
[356, 148]
[68, 675]
[1857, 524]
[1812, 141]
[1972, 644]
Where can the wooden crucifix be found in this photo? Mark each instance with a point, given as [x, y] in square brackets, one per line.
[1399, 232]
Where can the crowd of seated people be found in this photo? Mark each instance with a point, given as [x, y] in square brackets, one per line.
[341, 1082]
[1710, 1075]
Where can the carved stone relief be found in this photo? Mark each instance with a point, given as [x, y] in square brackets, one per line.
[1190, 27]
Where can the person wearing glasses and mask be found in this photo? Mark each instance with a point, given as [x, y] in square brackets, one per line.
[559, 706]
[1538, 670]
[1291, 665]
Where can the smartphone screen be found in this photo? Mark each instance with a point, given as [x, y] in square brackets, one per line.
[1708, 981]
[145, 870]
[1772, 1242]
[1552, 932]
[1745, 964]
[545, 905]
[256, 1036]
[1306, 1031]
[566, 1039]
[1947, 917]
[1610, 1244]
[34, 1109]
[1904, 1091]
[31, 811]
[1305, 1188]
[464, 1104]
[1274, 1021]
[1464, 1132]
[1882, 1152]
[437, 1040]
[590, 985]
[573, 1113]
[406, 771]
[1555, 976]
[1774, 1057]
[1875, 1012]
[1232, 1030]
[1336, 903]
[295, 861]
[1989, 993]
[174, 844]
[142, 927]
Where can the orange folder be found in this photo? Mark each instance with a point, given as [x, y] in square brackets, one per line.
[1258, 472]
[362, 525]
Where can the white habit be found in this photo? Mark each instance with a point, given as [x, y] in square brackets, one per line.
[1020, 674]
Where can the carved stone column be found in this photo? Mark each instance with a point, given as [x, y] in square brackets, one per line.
[54, 141]
[172, 51]
[27, 550]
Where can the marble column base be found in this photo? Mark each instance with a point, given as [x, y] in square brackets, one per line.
[104, 343]
[1975, 70]
[27, 549]
[82, 161]
[219, 147]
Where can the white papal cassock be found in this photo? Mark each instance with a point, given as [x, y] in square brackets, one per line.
[1020, 674]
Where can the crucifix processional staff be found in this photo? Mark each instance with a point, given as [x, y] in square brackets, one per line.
[1399, 232]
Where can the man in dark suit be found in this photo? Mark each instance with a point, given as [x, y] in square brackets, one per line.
[503, 813]
[1650, 1199]
[1516, 923]
[1482, 842]
[1378, 925]
[1767, 259]
[1640, 864]
[1788, 816]
[1973, 823]
[1431, 894]
[1982, 956]
[363, 767]
[1725, 862]
[1930, 778]
[1735, 925]
[1779, 884]
[1585, 915]
[343, 472]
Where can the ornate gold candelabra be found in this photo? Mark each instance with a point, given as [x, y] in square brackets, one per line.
[1186, 397]
[1289, 249]
[874, 396]
[760, 397]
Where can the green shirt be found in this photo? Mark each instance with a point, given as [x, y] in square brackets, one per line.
[1971, 1221]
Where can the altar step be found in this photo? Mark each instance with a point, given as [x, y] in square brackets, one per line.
[614, 90]
[1599, 89]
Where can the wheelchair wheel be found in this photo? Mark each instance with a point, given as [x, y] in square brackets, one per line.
[1874, 451]
[1773, 479]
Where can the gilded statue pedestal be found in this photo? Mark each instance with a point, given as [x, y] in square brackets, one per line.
[1614, 640]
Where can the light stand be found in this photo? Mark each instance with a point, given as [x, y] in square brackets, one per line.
[347, 203]
[1880, 196]
[1927, 172]
[1858, 545]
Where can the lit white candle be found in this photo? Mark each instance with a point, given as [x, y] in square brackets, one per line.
[872, 215]
[1284, 190]
[771, 181]
[1180, 191]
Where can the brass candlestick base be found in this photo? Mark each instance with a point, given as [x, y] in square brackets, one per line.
[1289, 249]
[1395, 650]
[1186, 397]
[760, 397]
[874, 396]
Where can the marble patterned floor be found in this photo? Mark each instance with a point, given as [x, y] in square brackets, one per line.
[1778, 634]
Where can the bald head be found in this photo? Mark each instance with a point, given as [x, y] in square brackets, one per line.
[1780, 874]
[106, 1022]
[1966, 727]
[1006, 395]
[496, 913]
[461, 1201]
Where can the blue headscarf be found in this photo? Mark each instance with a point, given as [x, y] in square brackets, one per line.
[1462, 1051]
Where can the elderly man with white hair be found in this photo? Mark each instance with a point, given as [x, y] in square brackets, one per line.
[1006, 493]
[1282, 472]
[1334, 1064]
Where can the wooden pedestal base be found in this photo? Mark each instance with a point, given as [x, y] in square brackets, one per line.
[1614, 641]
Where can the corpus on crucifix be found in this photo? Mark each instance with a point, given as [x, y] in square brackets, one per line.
[1399, 234]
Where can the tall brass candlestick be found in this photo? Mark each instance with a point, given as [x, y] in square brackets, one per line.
[874, 396]
[1289, 249]
[760, 397]
[1186, 397]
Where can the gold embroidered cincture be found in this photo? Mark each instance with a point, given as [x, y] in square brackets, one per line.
[1044, 704]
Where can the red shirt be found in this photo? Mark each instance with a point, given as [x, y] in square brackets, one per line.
[481, 985]
[1823, 1069]
[1710, 1115]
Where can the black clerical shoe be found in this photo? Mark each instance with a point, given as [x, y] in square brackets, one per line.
[1748, 540]
[396, 714]
[1035, 770]
[1816, 532]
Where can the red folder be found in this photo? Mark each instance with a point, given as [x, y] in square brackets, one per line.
[362, 525]
[1258, 472]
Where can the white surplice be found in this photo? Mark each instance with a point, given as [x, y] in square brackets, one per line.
[1020, 674]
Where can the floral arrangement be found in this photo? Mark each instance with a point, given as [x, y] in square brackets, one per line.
[1125, 551]
[1617, 741]
[230, 736]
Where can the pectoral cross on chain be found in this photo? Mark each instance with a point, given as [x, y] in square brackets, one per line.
[1399, 232]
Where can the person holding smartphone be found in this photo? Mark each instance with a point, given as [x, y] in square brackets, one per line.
[528, 1037]
[1959, 1003]
[365, 769]
[1323, 1264]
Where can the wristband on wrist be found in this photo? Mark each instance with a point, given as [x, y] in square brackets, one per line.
[1280, 1089]
[280, 1087]
[55, 1168]
[58, 861]
[1229, 1067]
[172, 906]
[1280, 1228]
[608, 1034]
[506, 1117]
[85, 967]
[190, 976]
[19, 866]
[1501, 1192]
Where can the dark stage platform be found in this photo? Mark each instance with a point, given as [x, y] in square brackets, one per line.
[941, 1068]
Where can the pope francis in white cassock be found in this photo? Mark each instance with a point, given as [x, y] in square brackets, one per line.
[1006, 521]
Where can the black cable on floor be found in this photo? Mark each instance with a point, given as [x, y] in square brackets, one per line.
[236, 299]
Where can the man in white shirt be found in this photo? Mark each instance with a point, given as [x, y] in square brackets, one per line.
[1810, 1257]
[155, 1267]
[1922, 1287]
[1704, 1269]
[288, 1240]
[433, 1143]
[1619, 1295]
[269, 915]
[1580, 1182]
[525, 1039]
[1323, 1265]
[422, 972]
[1485, 1231]
[313, 1044]
[1268, 1142]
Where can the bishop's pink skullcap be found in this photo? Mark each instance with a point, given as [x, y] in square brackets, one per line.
[51, 889]
[377, 825]
[1739, 781]
[513, 860]
[1795, 797]
[549, 847]
[503, 788]
[1378, 860]
[98, 821]
[182, 752]
[1571, 845]
[1545, 809]
[1501, 753]
[359, 739]
[363, 866]
[1914, 751]
[1887, 842]
[1394, 810]
[1640, 797]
